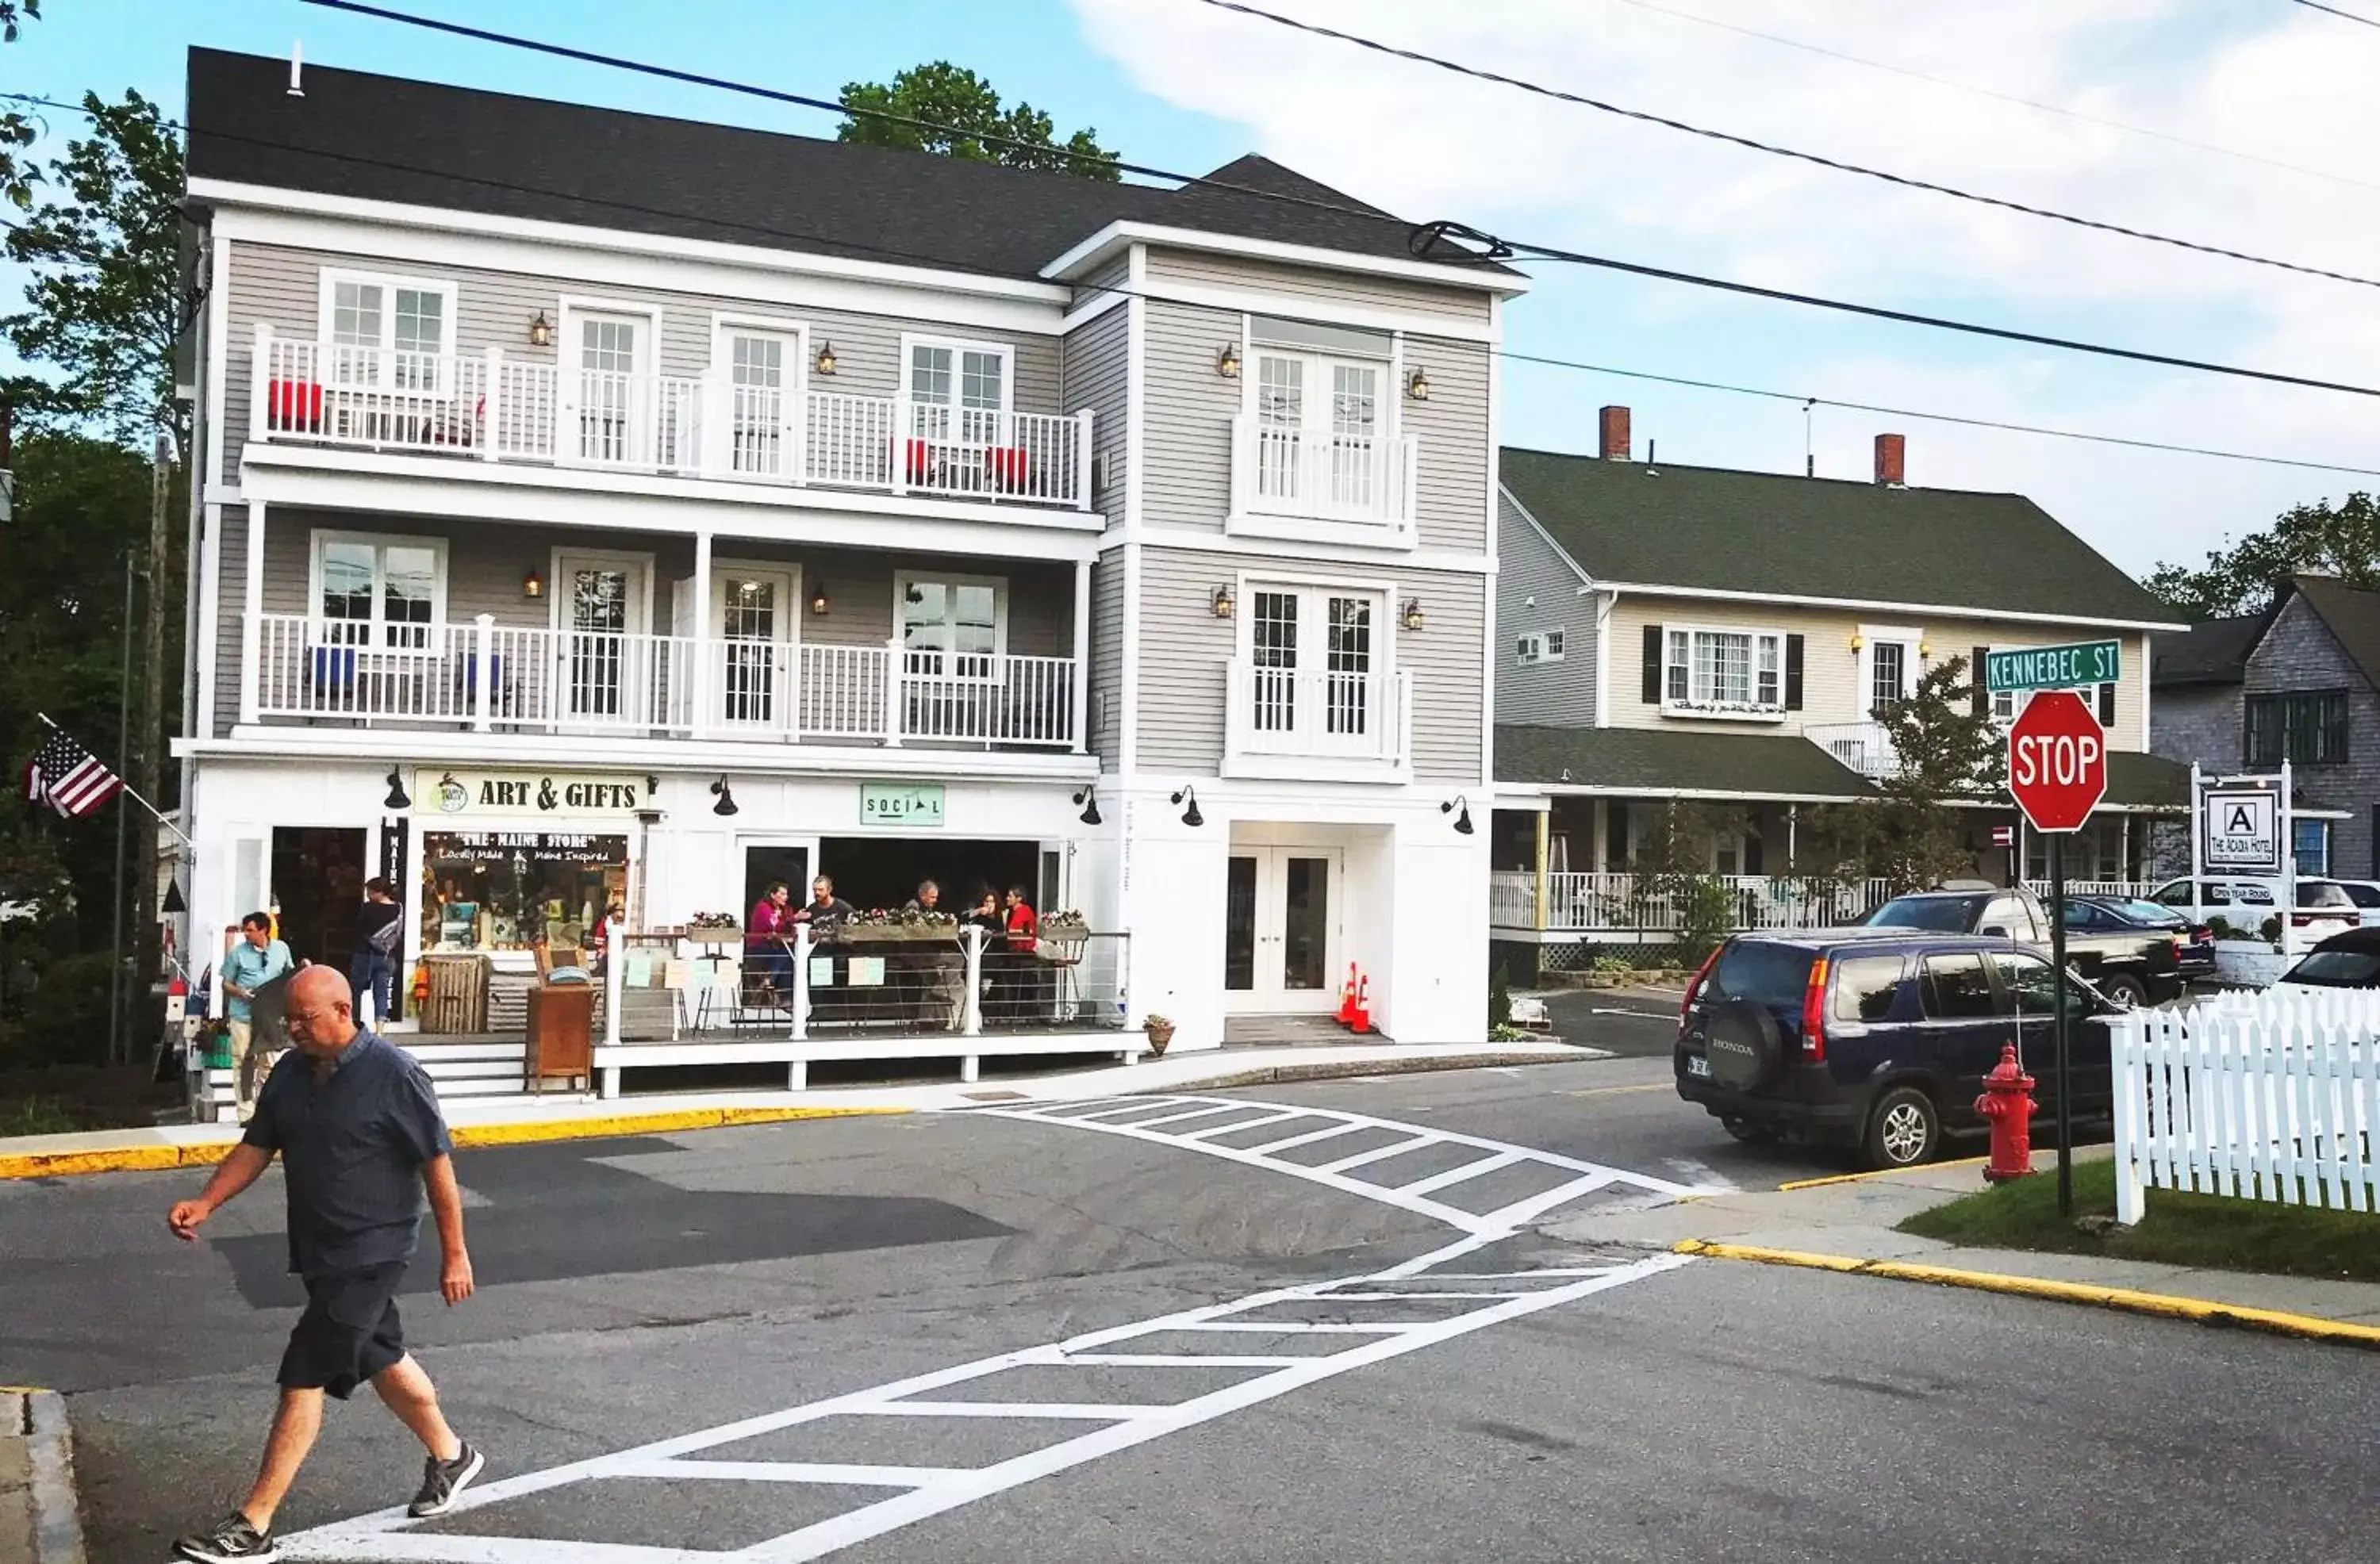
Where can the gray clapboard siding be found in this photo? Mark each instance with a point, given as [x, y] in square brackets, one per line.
[1095, 371]
[282, 287]
[1111, 275]
[1187, 445]
[1185, 650]
[1106, 736]
[1200, 268]
[1536, 590]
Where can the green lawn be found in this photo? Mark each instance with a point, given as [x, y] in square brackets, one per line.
[2180, 1230]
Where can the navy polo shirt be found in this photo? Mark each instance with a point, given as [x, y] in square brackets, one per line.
[352, 1147]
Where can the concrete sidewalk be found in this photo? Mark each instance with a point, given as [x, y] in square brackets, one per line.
[1848, 1225]
[512, 1120]
[39, 1520]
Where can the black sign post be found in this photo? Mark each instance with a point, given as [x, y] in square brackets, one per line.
[2062, 1023]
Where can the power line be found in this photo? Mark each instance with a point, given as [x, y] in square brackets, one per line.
[1808, 401]
[1424, 237]
[2021, 101]
[2351, 15]
[1904, 180]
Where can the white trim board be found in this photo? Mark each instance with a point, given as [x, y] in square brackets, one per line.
[1096, 248]
[1191, 540]
[1942, 611]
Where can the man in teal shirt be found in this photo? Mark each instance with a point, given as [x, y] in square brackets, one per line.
[256, 959]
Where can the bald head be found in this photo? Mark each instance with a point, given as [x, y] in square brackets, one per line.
[321, 1011]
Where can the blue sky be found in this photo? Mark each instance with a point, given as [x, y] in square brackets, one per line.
[1175, 83]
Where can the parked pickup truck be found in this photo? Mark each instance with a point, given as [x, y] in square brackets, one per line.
[2132, 966]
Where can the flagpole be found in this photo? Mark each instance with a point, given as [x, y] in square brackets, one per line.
[125, 788]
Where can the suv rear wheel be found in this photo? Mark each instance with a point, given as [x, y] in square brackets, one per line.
[1903, 1129]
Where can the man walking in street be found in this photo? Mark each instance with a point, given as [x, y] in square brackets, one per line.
[357, 1125]
[255, 959]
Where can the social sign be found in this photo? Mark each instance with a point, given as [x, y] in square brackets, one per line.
[2057, 761]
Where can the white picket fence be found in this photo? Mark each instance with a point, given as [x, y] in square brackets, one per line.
[2274, 1096]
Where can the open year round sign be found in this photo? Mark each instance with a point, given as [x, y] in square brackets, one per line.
[2057, 761]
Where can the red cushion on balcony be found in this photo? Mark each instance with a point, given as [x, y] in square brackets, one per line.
[920, 460]
[294, 405]
[1006, 464]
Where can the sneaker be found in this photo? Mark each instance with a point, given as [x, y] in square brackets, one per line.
[228, 1539]
[443, 1483]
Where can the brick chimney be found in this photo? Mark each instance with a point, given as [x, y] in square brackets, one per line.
[1892, 460]
[1614, 422]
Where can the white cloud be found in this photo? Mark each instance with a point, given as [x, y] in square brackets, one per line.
[1421, 141]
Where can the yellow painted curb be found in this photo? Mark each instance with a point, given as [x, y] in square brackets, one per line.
[155, 1158]
[2203, 1311]
[1875, 1173]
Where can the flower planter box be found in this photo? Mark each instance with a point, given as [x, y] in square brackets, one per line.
[2251, 964]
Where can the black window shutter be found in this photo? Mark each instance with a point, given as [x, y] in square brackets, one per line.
[2106, 706]
[1982, 696]
[1792, 682]
[1652, 665]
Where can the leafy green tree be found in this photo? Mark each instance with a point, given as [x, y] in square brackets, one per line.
[105, 303]
[18, 129]
[1947, 752]
[1673, 875]
[2338, 539]
[977, 126]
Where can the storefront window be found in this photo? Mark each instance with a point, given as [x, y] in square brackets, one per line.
[507, 891]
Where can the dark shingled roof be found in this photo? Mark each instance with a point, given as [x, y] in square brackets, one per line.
[384, 138]
[2353, 615]
[2215, 652]
[1667, 760]
[1775, 534]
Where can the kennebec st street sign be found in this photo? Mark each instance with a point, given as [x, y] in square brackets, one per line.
[2068, 667]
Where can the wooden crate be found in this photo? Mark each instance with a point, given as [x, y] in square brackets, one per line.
[458, 994]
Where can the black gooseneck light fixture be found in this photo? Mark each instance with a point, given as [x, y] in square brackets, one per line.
[1089, 799]
[397, 798]
[726, 804]
[1190, 816]
[1459, 807]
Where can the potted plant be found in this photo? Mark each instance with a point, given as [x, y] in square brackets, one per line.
[1160, 1033]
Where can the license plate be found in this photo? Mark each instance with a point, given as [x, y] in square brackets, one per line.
[1697, 1065]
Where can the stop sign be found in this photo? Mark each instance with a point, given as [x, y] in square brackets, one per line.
[2057, 761]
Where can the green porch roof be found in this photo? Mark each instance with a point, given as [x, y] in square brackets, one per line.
[1664, 761]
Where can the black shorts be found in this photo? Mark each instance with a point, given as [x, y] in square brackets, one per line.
[348, 1333]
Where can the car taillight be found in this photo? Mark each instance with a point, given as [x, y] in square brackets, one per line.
[1694, 984]
[2301, 920]
[1813, 1012]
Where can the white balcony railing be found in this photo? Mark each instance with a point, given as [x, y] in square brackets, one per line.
[1297, 472]
[490, 677]
[1317, 714]
[1864, 747]
[1628, 903]
[508, 409]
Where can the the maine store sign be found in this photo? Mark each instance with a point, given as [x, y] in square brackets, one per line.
[479, 794]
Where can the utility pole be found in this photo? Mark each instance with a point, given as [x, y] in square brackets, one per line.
[156, 577]
[117, 981]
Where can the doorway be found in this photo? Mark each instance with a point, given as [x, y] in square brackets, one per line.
[1280, 929]
[318, 878]
[754, 611]
[603, 618]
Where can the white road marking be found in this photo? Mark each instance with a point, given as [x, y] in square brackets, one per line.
[389, 1536]
[1364, 1159]
[1308, 1138]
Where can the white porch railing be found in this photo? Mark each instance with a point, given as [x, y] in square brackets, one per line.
[1312, 713]
[487, 675]
[1626, 904]
[500, 408]
[1864, 747]
[2272, 1096]
[1299, 472]
[2114, 890]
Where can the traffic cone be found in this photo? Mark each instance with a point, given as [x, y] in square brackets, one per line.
[1347, 997]
[1362, 1021]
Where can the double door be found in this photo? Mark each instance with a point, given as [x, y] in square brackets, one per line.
[1280, 929]
[1321, 429]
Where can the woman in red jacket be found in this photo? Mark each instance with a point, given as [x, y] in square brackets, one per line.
[1024, 938]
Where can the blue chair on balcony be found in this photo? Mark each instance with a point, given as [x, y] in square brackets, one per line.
[330, 674]
[466, 676]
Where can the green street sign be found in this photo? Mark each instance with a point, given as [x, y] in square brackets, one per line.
[2054, 668]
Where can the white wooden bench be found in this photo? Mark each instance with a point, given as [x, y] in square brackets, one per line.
[798, 1055]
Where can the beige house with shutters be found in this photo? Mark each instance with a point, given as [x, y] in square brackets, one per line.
[696, 508]
[1673, 631]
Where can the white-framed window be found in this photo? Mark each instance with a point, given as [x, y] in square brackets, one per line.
[1890, 661]
[1724, 670]
[389, 332]
[951, 626]
[2005, 704]
[1318, 656]
[1321, 398]
[371, 590]
[1556, 642]
[959, 389]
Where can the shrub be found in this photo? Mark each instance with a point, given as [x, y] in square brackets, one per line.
[1500, 1000]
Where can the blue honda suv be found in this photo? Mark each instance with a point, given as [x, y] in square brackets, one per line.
[1877, 1037]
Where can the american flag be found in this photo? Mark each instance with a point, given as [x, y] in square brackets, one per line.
[69, 779]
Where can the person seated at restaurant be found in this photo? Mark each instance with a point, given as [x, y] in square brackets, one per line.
[767, 950]
[938, 973]
[825, 912]
[1020, 938]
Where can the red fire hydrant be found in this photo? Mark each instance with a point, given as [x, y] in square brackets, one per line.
[2007, 1103]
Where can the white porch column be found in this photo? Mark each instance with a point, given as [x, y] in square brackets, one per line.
[801, 1027]
[1080, 674]
[615, 964]
[700, 630]
[972, 1026]
[251, 615]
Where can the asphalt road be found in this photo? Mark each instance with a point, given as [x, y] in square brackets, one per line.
[633, 1292]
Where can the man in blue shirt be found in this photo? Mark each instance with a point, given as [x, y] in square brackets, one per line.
[356, 1124]
[256, 958]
